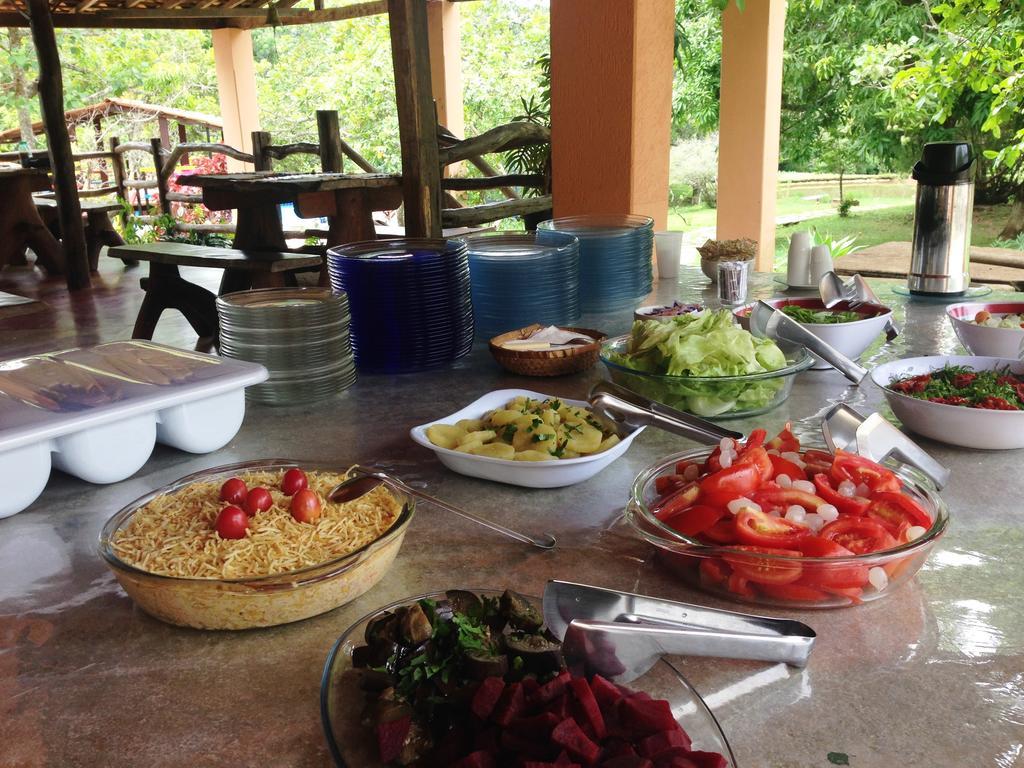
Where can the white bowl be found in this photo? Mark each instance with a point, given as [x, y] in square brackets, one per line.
[979, 340]
[953, 424]
[849, 338]
[529, 474]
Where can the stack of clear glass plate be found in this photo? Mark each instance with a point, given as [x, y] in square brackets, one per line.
[410, 301]
[301, 336]
[517, 280]
[615, 258]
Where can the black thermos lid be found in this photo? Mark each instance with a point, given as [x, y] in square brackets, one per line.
[945, 162]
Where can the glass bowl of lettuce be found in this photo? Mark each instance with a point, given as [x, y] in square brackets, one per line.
[704, 364]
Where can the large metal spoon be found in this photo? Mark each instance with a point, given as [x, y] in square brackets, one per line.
[365, 480]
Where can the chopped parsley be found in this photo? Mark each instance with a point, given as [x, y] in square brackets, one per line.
[820, 316]
[997, 389]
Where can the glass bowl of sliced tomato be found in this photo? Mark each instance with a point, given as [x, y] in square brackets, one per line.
[777, 523]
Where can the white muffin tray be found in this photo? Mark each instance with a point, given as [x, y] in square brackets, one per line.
[96, 412]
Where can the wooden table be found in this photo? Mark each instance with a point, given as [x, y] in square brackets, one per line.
[999, 266]
[99, 230]
[20, 223]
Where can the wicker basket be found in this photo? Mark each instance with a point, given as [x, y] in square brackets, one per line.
[546, 362]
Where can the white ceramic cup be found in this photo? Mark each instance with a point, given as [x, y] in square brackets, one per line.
[798, 259]
[821, 263]
[668, 246]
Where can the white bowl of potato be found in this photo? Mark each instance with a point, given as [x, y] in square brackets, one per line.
[524, 438]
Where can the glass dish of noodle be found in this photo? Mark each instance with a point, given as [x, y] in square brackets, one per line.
[166, 554]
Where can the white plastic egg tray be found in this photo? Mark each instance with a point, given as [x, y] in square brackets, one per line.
[96, 412]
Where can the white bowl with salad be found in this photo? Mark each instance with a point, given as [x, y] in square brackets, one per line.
[849, 330]
[704, 364]
[994, 329]
[974, 402]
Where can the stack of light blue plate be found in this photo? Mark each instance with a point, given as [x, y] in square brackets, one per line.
[615, 258]
[517, 280]
[409, 300]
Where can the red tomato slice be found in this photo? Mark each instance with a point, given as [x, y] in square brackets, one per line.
[755, 438]
[826, 575]
[797, 593]
[857, 469]
[785, 441]
[682, 465]
[739, 586]
[781, 466]
[817, 462]
[762, 530]
[853, 593]
[695, 519]
[713, 571]
[667, 483]
[850, 505]
[860, 535]
[722, 532]
[897, 512]
[676, 501]
[759, 457]
[764, 570]
[728, 484]
[781, 498]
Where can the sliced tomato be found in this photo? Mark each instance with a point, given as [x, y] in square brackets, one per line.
[755, 438]
[851, 593]
[859, 470]
[667, 483]
[722, 532]
[759, 457]
[860, 535]
[850, 505]
[780, 498]
[764, 570]
[695, 519]
[728, 484]
[676, 501]
[781, 466]
[682, 465]
[785, 441]
[762, 530]
[712, 570]
[739, 585]
[834, 575]
[796, 593]
[817, 462]
[897, 511]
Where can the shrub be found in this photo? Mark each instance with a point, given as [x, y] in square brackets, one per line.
[845, 205]
[693, 164]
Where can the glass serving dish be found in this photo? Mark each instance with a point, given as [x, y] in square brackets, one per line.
[720, 397]
[257, 601]
[353, 745]
[801, 582]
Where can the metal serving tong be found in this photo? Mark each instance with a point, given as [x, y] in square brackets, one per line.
[771, 323]
[626, 408]
[620, 635]
[876, 439]
[854, 292]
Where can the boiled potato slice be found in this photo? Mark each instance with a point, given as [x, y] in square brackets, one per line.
[581, 437]
[445, 435]
[494, 450]
[480, 436]
[533, 433]
[502, 417]
[470, 425]
[607, 443]
[533, 456]
[551, 417]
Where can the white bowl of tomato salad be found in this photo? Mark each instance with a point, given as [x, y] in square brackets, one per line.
[995, 329]
[777, 523]
[974, 402]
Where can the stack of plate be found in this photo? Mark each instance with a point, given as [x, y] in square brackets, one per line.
[615, 258]
[410, 301]
[517, 280]
[301, 336]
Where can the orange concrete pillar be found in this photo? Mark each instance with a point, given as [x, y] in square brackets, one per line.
[611, 106]
[444, 29]
[236, 87]
[749, 113]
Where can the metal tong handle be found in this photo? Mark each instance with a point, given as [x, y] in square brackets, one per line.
[544, 541]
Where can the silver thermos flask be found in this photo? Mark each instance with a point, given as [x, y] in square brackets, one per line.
[940, 256]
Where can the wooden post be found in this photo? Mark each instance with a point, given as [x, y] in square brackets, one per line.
[117, 167]
[443, 23]
[332, 159]
[182, 138]
[51, 96]
[161, 177]
[261, 160]
[417, 128]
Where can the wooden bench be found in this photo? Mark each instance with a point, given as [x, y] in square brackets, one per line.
[99, 230]
[166, 289]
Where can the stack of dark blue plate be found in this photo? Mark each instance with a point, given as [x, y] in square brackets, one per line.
[518, 281]
[615, 258]
[409, 300]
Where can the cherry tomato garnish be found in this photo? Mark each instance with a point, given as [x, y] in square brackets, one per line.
[728, 484]
[695, 519]
[233, 491]
[765, 570]
[258, 500]
[306, 506]
[762, 530]
[860, 535]
[294, 480]
[232, 523]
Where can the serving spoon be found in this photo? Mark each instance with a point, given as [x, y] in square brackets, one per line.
[365, 480]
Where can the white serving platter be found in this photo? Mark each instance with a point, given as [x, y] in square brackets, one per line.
[96, 412]
[529, 474]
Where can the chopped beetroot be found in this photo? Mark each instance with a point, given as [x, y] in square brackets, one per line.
[708, 760]
[391, 737]
[563, 759]
[510, 705]
[530, 687]
[533, 749]
[478, 759]
[536, 727]
[570, 736]
[644, 716]
[561, 706]
[618, 748]
[654, 746]
[591, 711]
[488, 739]
[627, 761]
[533, 764]
[552, 689]
[487, 696]
[605, 692]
